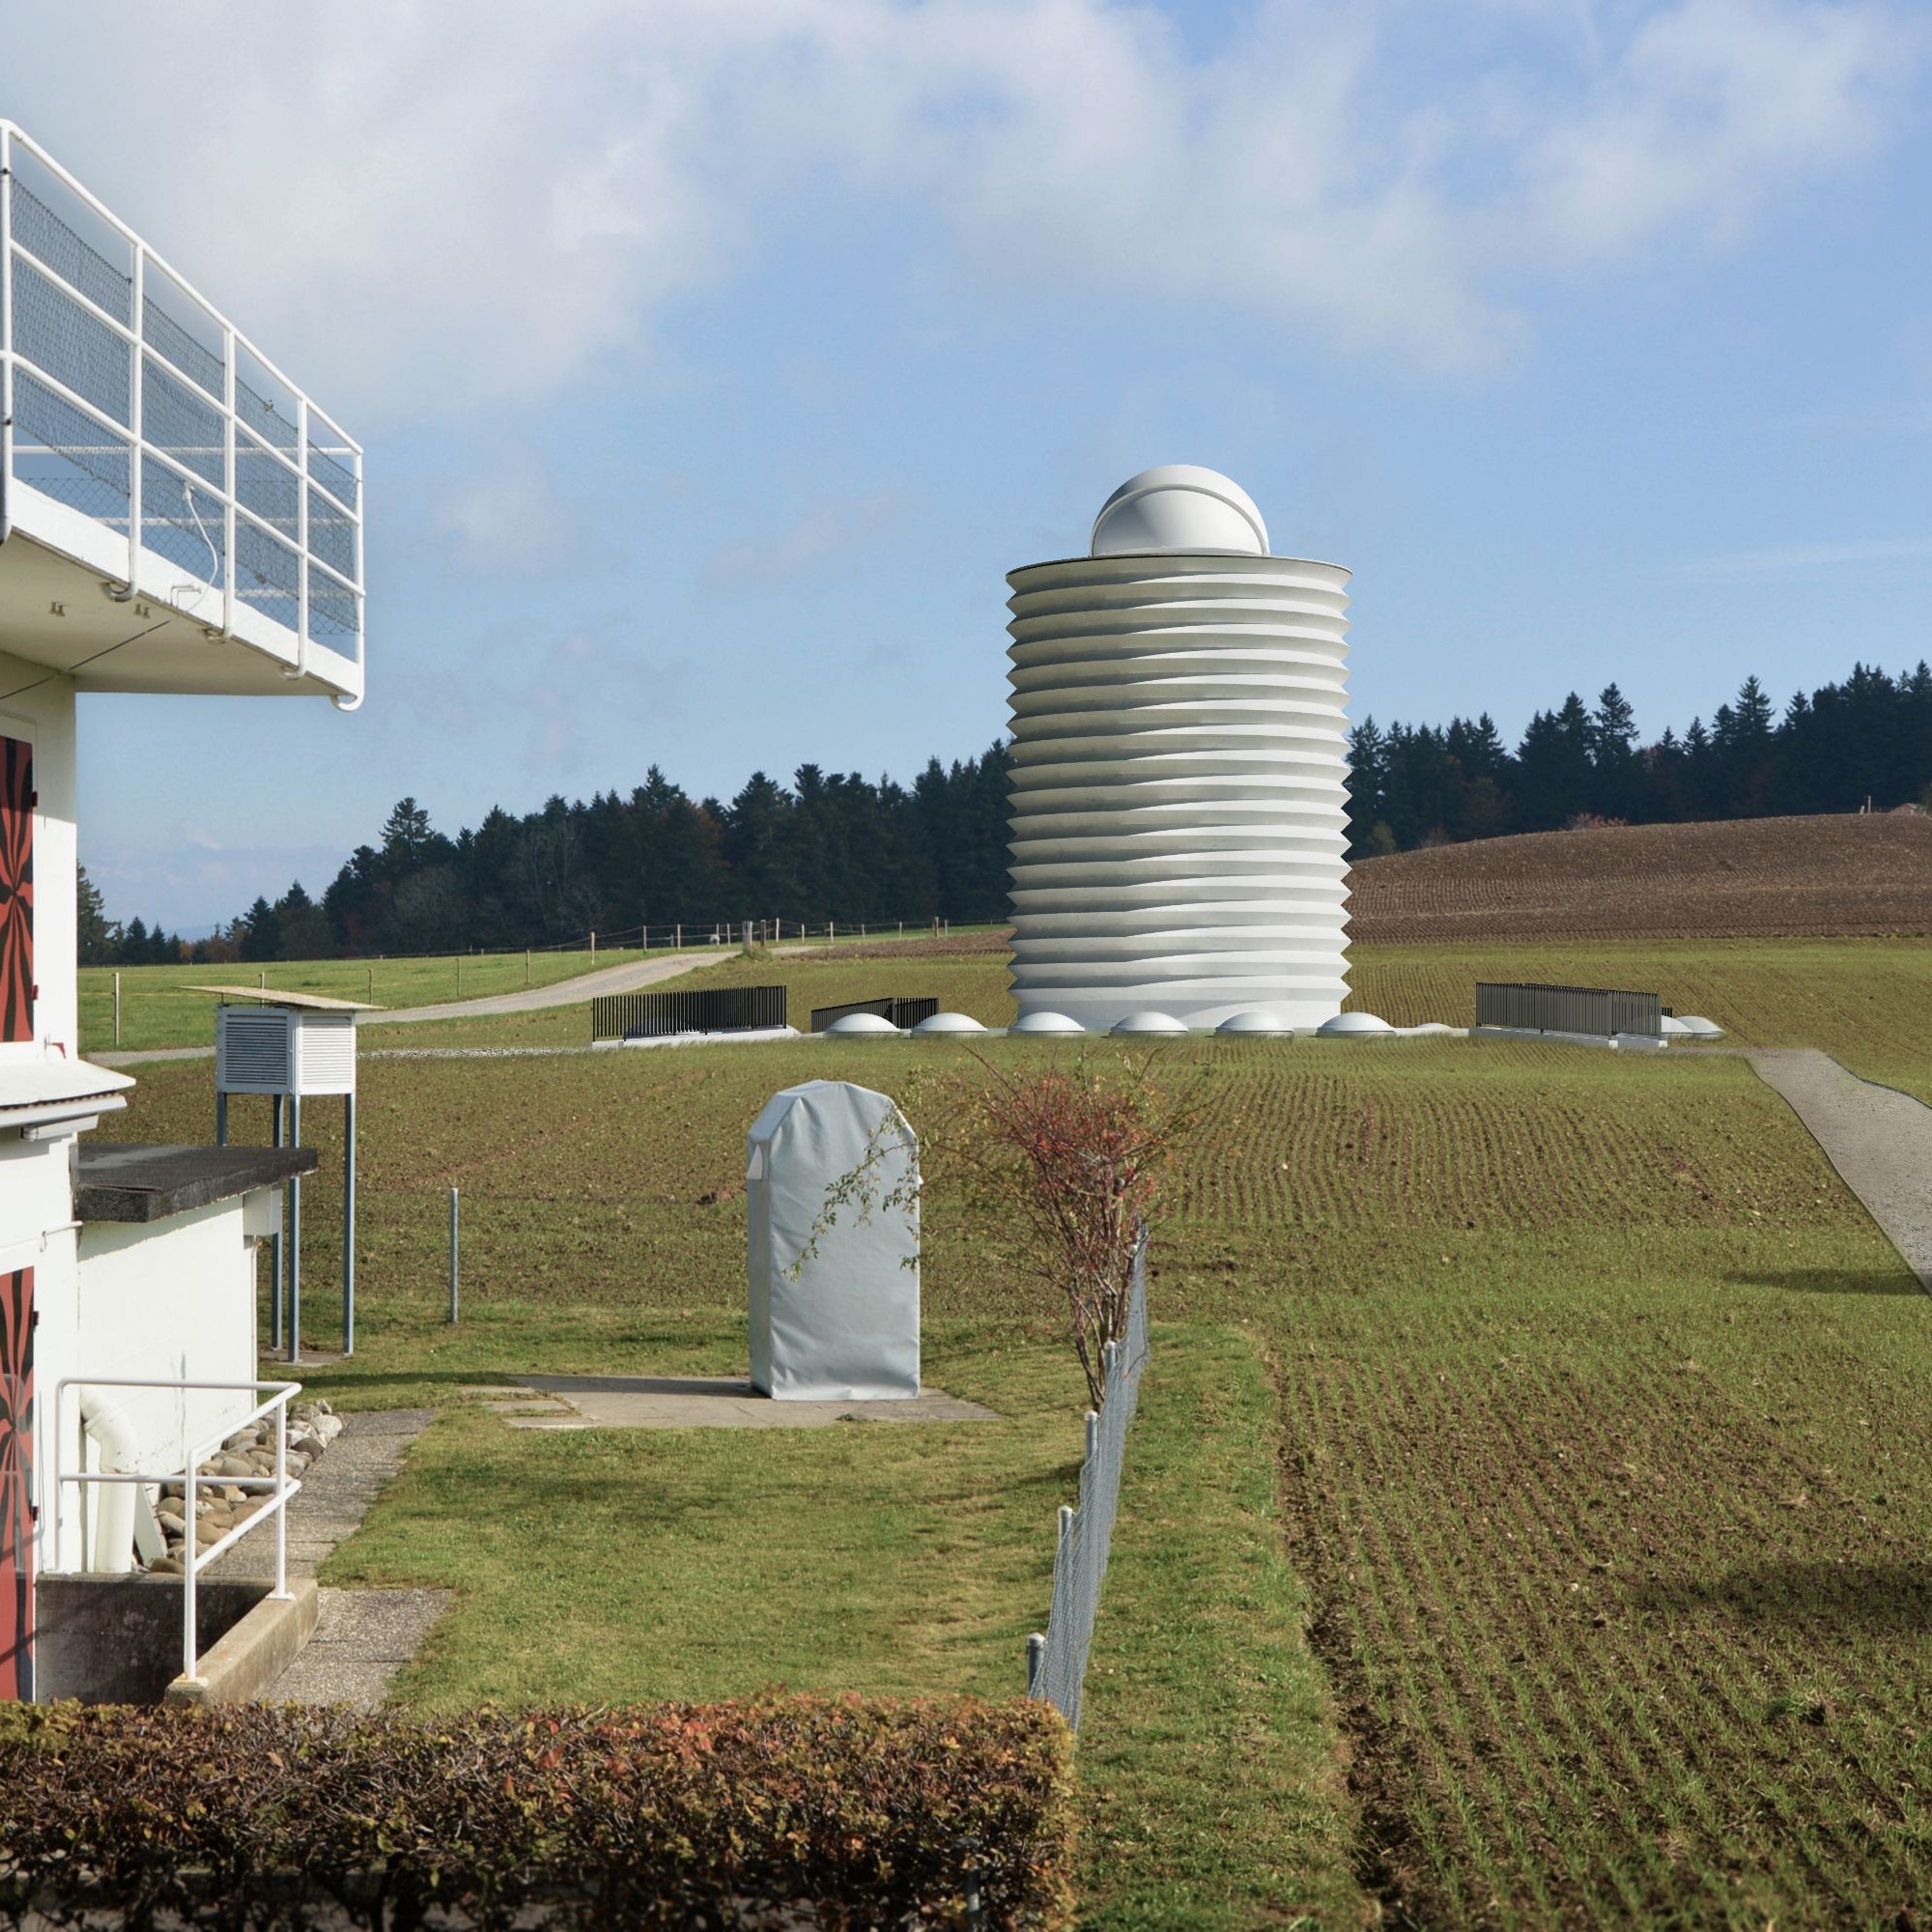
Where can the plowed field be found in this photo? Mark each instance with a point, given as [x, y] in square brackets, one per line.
[1740, 879]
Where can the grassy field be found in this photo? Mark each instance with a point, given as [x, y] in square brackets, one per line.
[1863, 1000]
[1592, 1590]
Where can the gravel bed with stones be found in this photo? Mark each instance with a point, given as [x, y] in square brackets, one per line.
[248, 1453]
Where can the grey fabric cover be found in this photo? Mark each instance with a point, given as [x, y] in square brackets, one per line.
[847, 1326]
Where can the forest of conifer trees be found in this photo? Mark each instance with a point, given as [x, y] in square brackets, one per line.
[834, 846]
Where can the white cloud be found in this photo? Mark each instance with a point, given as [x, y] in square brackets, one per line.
[1814, 559]
[423, 209]
[506, 517]
[826, 530]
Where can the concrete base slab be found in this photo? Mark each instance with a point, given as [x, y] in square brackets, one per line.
[257, 1651]
[710, 1401]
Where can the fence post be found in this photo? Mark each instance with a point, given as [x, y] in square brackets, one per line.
[117, 1009]
[455, 1224]
[1036, 1662]
[593, 946]
[1092, 1434]
[677, 938]
[527, 969]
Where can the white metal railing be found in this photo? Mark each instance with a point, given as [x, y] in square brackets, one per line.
[281, 1485]
[112, 383]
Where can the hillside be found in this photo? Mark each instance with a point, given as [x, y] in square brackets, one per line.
[1763, 878]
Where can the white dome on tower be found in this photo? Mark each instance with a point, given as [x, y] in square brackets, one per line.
[1180, 506]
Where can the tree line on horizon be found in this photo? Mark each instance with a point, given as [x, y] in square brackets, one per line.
[834, 846]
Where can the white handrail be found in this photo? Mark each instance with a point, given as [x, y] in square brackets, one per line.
[282, 1489]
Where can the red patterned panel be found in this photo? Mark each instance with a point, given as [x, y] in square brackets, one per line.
[16, 889]
[17, 1518]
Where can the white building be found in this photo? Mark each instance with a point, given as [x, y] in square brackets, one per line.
[1179, 767]
[174, 515]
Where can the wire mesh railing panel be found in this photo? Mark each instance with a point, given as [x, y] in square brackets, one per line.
[267, 575]
[179, 423]
[264, 418]
[180, 523]
[1058, 1661]
[165, 336]
[334, 611]
[66, 454]
[42, 234]
[332, 535]
[335, 478]
[79, 351]
[266, 485]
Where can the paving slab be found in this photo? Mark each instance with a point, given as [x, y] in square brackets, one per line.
[713, 1401]
[362, 1638]
[1877, 1138]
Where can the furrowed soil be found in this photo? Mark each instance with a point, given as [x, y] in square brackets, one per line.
[1825, 876]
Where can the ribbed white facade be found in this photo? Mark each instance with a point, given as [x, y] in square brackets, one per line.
[1179, 788]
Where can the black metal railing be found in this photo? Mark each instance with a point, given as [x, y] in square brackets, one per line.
[1591, 1009]
[902, 1014]
[715, 1009]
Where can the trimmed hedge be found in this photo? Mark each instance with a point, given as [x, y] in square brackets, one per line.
[869, 1812]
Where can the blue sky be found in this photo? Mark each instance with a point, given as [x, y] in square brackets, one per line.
[713, 363]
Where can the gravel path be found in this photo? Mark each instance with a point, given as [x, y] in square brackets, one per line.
[1879, 1140]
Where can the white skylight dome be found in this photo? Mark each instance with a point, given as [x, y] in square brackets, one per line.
[1179, 507]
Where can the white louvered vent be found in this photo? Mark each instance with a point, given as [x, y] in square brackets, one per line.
[254, 1050]
[325, 1052]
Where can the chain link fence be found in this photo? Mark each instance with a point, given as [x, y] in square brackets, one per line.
[1056, 1662]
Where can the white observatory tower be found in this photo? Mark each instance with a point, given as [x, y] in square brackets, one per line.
[1179, 766]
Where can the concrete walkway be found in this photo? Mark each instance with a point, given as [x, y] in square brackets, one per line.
[362, 1636]
[1879, 1140]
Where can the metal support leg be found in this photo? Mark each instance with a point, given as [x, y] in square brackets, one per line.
[349, 1224]
[275, 1243]
[220, 1119]
[295, 1235]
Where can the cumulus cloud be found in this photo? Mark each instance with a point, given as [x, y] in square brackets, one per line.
[506, 517]
[826, 530]
[429, 209]
[1860, 555]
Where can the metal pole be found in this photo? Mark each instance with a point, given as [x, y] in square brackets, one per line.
[275, 1243]
[349, 1224]
[371, 993]
[295, 1235]
[1036, 1662]
[281, 1505]
[455, 1231]
[191, 1495]
[527, 969]
[220, 1117]
[117, 1009]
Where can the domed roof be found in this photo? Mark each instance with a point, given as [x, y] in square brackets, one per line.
[1180, 506]
[938, 1023]
[1042, 1022]
[1354, 1026]
[854, 1025]
[1146, 1020]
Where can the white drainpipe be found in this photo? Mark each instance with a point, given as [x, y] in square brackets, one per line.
[110, 1547]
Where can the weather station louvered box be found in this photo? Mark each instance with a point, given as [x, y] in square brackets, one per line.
[284, 1050]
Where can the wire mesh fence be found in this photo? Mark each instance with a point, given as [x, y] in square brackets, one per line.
[1057, 1661]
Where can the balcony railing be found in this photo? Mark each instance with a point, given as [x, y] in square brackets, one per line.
[128, 397]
